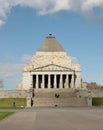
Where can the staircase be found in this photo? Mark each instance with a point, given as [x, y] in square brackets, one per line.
[57, 97]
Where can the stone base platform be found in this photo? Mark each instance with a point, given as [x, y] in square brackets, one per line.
[57, 97]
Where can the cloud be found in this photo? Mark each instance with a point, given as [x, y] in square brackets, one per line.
[11, 72]
[75, 60]
[85, 7]
[8, 70]
[27, 58]
[1, 22]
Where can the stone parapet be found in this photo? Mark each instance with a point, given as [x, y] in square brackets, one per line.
[90, 93]
[13, 94]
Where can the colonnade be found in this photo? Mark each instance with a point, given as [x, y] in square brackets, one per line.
[54, 81]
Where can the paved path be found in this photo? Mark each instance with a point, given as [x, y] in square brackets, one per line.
[55, 119]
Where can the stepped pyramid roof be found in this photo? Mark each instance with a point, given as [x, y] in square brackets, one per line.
[50, 44]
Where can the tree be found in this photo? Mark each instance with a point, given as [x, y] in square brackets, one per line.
[1, 84]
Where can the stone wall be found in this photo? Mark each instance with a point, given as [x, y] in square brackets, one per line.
[13, 94]
[90, 93]
[26, 81]
[50, 58]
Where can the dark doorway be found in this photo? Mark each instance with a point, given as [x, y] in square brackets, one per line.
[46, 81]
[40, 80]
[70, 78]
[64, 79]
[52, 81]
[34, 81]
[58, 80]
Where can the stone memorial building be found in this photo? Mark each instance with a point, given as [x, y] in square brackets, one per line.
[52, 79]
[51, 68]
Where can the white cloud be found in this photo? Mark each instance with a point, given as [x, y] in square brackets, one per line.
[1, 22]
[8, 70]
[86, 7]
[9, 73]
[27, 58]
[75, 60]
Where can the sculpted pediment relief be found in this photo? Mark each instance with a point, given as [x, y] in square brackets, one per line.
[52, 67]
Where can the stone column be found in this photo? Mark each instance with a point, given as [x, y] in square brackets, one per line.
[72, 81]
[61, 82]
[49, 84]
[66, 82]
[37, 81]
[43, 86]
[55, 81]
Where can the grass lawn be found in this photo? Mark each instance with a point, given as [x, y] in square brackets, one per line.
[5, 114]
[97, 101]
[12, 102]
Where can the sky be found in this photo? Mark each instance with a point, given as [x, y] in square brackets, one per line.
[76, 24]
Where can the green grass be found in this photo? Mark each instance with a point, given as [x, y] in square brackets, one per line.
[8, 102]
[5, 114]
[97, 101]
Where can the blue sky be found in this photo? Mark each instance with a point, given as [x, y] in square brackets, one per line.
[23, 29]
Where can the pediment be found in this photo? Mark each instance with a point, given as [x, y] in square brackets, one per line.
[52, 67]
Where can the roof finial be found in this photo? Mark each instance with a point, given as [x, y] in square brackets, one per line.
[50, 34]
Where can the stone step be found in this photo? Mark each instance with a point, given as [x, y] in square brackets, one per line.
[49, 97]
[59, 102]
[52, 93]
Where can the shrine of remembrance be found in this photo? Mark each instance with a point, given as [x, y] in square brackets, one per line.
[51, 68]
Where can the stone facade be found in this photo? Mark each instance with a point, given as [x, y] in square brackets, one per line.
[51, 68]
